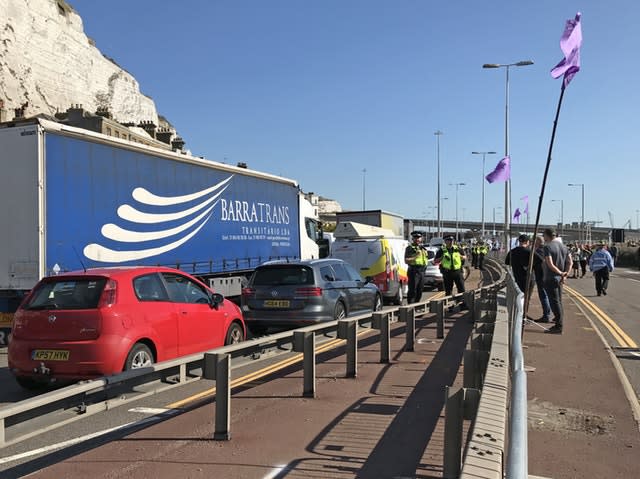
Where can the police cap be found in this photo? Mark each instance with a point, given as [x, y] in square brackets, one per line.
[449, 238]
[416, 234]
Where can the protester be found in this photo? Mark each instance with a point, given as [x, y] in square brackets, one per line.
[557, 264]
[538, 271]
[601, 264]
[585, 254]
[575, 258]
[518, 258]
[613, 251]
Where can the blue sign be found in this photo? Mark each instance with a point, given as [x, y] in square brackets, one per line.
[109, 206]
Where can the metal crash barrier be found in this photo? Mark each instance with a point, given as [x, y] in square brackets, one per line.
[493, 399]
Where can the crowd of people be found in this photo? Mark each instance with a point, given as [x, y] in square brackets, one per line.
[553, 262]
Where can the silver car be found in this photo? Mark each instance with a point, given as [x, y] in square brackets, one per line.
[293, 294]
[432, 275]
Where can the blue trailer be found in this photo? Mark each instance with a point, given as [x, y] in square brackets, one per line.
[72, 199]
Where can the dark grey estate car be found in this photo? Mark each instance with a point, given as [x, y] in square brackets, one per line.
[281, 294]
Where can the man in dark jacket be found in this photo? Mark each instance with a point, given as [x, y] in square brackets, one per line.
[518, 258]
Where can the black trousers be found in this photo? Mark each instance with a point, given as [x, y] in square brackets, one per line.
[449, 277]
[602, 279]
[474, 260]
[480, 260]
[416, 284]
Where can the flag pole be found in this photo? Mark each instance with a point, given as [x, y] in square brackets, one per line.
[528, 288]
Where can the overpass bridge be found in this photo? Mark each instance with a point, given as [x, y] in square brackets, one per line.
[570, 232]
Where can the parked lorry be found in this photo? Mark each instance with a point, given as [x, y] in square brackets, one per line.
[377, 253]
[73, 199]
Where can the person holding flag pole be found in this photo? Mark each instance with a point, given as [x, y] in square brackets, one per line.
[569, 66]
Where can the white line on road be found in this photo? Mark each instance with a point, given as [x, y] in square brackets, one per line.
[150, 410]
[275, 471]
[636, 280]
[78, 440]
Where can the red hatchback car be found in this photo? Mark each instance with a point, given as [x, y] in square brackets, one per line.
[98, 322]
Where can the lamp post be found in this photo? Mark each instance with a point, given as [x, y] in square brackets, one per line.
[638, 220]
[438, 134]
[581, 185]
[484, 156]
[494, 218]
[457, 185]
[364, 177]
[507, 184]
[561, 215]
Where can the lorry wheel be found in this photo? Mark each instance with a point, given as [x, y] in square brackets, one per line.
[29, 383]
[340, 311]
[397, 300]
[377, 303]
[140, 356]
[235, 334]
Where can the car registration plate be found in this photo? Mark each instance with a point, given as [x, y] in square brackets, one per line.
[50, 355]
[277, 303]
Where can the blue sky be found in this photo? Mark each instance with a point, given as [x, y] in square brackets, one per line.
[318, 91]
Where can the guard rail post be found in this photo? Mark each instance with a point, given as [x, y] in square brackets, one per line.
[408, 316]
[380, 321]
[453, 422]
[217, 366]
[440, 319]
[305, 342]
[348, 329]
[470, 303]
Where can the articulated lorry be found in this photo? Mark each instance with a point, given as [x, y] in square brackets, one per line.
[73, 199]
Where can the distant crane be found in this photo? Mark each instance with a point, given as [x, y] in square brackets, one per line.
[628, 223]
[611, 218]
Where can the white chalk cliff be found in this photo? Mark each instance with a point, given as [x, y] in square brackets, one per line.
[47, 60]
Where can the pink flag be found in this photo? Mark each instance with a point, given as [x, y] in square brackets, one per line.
[570, 44]
[525, 198]
[502, 171]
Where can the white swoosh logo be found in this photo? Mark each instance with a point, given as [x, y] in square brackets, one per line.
[144, 196]
[204, 211]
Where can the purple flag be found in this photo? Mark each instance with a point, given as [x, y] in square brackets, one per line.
[525, 198]
[516, 215]
[570, 44]
[502, 171]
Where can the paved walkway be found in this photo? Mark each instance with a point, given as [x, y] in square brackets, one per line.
[580, 420]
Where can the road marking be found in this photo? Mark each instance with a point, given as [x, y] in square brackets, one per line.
[616, 331]
[275, 472]
[78, 440]
[149, 410]
[636, 280]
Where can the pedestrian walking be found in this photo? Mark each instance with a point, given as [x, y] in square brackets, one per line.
[518, 259]
[575, 258]
[601, 264]
[451, 260]
[556, 267]
[538, 272]
[613, 251]
[585, 254]
[415, 255]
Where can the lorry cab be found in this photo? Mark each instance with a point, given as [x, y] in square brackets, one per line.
[377, 254]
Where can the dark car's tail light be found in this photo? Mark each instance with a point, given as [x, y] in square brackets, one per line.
[109, 294]
[248, 291]
[309, 292]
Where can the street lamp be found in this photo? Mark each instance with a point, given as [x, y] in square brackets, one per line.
[638, 220]
[494, 218]
[364, 176]
[561, 215]
[457, 185]
[507, 184]
[484, 155]
[581, 185]
[438, 134]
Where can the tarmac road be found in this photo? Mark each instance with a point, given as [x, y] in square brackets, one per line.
[622, 307]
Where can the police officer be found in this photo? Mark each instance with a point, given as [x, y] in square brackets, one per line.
[451, 260]
[482, 252]
[415, 255]
[474, 255]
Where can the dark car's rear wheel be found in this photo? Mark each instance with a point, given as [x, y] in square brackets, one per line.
[340, 312]
[140, 356]
[235, 334]
[29, 383]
